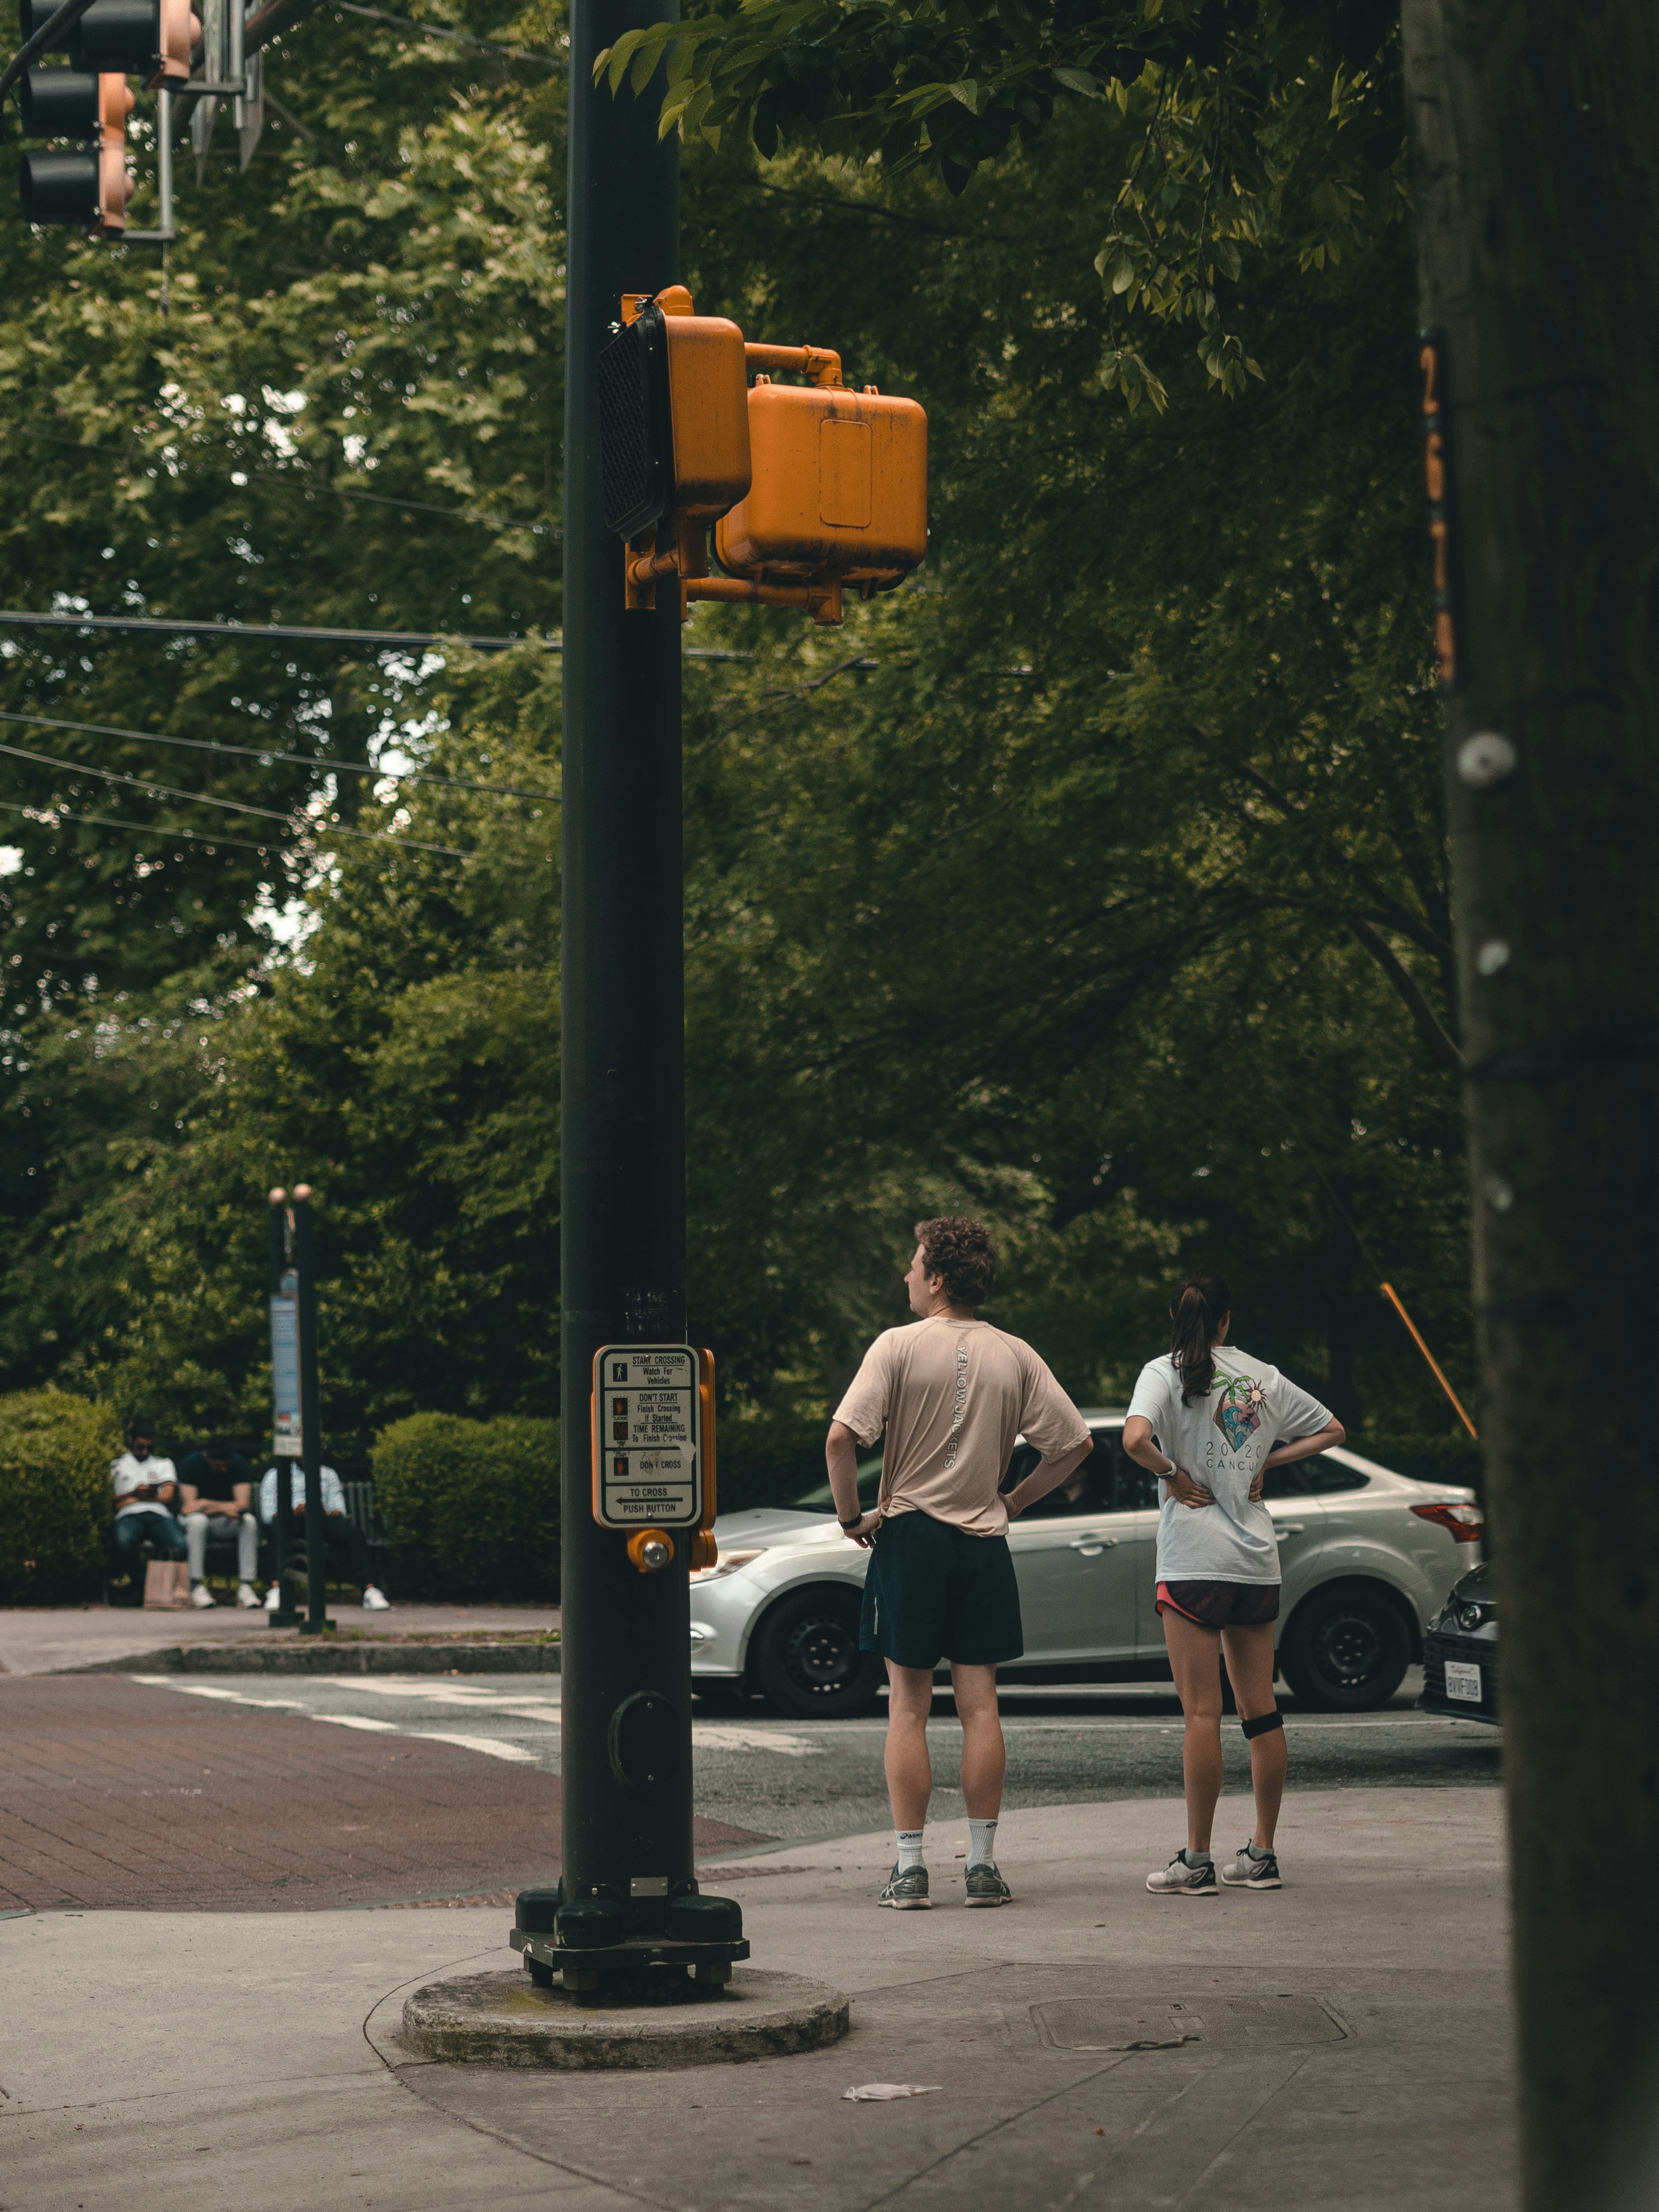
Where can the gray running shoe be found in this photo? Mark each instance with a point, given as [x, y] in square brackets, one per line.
[1252, 1869]
[906, 1892]
[985, 1885]
[1182, 1879]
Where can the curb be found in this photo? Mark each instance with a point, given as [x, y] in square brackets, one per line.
[502, 2019]
[327, 1656]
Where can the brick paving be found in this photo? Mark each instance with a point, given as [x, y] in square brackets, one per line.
[115, 1795]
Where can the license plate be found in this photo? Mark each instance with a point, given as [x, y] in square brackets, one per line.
[1463, 1681]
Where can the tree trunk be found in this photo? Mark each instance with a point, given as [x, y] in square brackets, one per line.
[1536, 132]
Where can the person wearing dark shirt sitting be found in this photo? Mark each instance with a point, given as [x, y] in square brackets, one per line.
[217, 1484]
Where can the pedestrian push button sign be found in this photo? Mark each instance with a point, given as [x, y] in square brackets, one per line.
[647, 1460]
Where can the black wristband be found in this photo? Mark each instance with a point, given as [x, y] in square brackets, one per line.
[853, 1523]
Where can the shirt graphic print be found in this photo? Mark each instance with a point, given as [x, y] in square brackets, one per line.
[1221, 1441]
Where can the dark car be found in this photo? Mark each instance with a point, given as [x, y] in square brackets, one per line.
[1460, 1651]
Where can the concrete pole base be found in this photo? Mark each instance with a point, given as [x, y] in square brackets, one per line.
[504, 2019]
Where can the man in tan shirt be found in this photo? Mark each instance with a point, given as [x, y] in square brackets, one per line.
[952, 1394]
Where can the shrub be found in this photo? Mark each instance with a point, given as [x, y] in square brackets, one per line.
[470, 1508]
[55, 1497]
[766, 1459]
[1448, 1456]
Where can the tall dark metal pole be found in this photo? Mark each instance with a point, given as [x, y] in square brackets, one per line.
[622, 1190]
[311, 1426]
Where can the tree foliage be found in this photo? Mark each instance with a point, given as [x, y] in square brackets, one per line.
[1095, 883]
[1226, 126]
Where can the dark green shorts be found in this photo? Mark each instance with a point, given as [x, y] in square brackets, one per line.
[934, 1592]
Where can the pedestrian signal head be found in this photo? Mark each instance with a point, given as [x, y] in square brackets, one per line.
[813, 488]
[672, 408]
[840, 488]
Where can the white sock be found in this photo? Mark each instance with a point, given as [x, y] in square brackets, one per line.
[909, 1844]
[981, 1842]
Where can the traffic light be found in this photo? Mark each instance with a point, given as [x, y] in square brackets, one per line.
[89, 188]
[148, 38]
[813, 489]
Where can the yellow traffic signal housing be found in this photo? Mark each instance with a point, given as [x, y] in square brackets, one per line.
[818, 488]
[840, 488]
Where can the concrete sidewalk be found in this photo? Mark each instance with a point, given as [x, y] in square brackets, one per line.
[1351, 2042]
[54, 1639]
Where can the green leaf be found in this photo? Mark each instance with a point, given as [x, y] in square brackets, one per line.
[1077, 80]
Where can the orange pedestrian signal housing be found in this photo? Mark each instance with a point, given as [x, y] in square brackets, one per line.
[840, 487]
[812, 488]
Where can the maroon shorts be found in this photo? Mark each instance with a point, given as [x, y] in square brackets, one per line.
[1222, 1605]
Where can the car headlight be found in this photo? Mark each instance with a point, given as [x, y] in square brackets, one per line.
[1472, 1616]
[727, 1564]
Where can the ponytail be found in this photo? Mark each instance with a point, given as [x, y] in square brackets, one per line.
[1196, 1312]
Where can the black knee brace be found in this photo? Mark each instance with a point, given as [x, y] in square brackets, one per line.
[1262, 1723]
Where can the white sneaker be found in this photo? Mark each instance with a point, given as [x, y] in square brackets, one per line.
[202, 1597]
[248, 1598]
[375, 1602]
[274, 1598]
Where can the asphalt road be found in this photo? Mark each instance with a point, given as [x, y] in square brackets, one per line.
[803, 1781]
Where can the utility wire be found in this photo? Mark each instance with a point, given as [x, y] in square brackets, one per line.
[301, 484]
[159, 829]
[231, 805]
[167, 627]
[266, 754]
[162, 626]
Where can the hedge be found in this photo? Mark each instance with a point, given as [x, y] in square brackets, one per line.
[470, 1508]
[55, 1497]
[766, 1459]
[1444, 1456]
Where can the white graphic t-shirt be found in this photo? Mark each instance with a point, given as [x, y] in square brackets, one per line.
[128, 1474]
[1221, 1441]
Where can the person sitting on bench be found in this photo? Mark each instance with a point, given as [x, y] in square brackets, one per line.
[145, 1488]
[339, 1534]
[217, 1484]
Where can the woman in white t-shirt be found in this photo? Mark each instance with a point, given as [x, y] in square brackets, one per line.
[1210, 1421]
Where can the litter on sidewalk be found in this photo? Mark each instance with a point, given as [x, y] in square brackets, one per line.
[883, 2092]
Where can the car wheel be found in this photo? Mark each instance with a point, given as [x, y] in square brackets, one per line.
[809, 1664]
[1347, 1648]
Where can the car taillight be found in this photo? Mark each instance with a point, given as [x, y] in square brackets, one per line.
[1464, 1522]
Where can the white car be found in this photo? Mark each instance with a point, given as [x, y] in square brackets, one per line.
[1368, 1558]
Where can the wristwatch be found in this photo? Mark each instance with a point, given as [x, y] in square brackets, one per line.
[853, 1523]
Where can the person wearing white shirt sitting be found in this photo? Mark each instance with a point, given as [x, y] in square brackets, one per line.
[145, 1488]
[340, 1533]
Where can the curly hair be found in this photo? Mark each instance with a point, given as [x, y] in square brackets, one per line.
[961, 1252]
